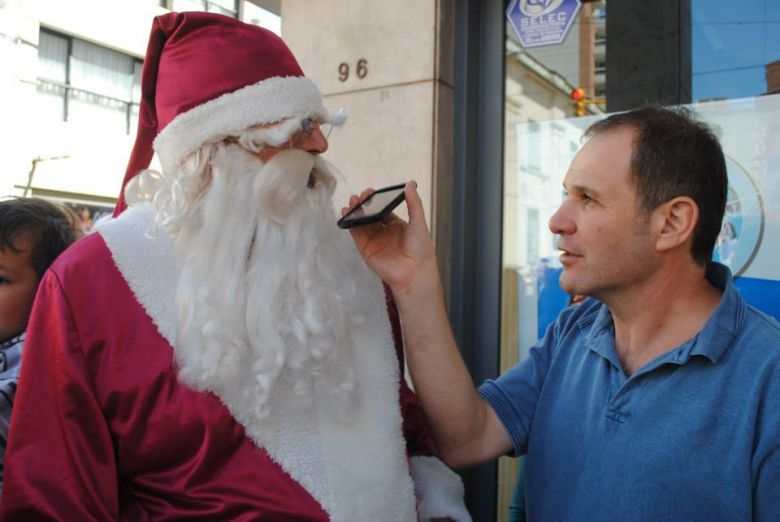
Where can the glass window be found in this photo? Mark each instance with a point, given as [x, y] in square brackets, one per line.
[136, 85]
[731, 45]
[101, 71]
[136, 96]
[52, 72]
[86, 84]
[225, 7]
[52, 57]
[727, 51]
[256, 15]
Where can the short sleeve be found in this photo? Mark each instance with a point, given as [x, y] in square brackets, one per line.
[514, 395]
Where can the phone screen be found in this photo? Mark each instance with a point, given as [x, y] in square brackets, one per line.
[377, 202]
[374, 208]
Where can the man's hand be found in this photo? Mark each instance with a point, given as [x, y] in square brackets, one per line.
[402, 254]
[465, 429]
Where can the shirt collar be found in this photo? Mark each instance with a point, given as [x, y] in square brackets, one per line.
[600, 336]
[711, 342]
[12, 341]
[721, 328]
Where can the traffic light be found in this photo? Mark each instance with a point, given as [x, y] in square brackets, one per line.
[579, 99]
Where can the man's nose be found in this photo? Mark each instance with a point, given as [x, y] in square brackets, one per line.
[315, 143]
[560, 222]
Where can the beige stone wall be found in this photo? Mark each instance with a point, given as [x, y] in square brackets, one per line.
[390, 65]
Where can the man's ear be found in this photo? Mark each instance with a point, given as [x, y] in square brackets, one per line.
[675, 222]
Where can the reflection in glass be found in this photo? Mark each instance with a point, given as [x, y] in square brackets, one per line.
[732, 45]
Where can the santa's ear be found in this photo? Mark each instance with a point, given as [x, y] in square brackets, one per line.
[675, 222]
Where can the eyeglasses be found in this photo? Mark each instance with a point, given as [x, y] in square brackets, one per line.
[308, 126]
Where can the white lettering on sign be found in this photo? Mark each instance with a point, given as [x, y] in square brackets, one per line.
[541, 20]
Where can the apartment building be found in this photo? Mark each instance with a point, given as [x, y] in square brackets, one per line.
[71, 93]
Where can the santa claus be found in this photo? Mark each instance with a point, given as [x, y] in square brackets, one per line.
[218, 350]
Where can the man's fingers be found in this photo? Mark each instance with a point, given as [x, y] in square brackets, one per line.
[391, 218]
[363, 196]
[414, 204]
[355, 199]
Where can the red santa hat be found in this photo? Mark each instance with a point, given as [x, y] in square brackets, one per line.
[208, 76]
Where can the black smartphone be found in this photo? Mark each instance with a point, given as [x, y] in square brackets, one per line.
[374, 208]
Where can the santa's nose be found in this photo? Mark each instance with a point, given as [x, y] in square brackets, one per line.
[314, 142]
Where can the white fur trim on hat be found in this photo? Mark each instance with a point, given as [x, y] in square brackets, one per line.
[268, 101]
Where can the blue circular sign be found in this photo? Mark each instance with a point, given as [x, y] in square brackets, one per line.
[743, 223]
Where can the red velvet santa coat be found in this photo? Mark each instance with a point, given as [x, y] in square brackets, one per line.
[103, 430]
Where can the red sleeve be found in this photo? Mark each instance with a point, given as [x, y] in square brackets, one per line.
[60, 462]
[415, 427]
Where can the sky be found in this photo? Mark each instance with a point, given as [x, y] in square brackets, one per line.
[732, 40]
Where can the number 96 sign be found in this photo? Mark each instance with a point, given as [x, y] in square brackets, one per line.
[361, 70]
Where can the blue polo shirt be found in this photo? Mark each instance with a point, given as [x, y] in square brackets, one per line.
[693, 435]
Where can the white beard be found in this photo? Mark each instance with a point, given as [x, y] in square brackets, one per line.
[266, 295]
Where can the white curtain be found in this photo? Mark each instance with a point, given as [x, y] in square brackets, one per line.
[52, 60]
[225, 7]
[101, 70]
[52, 57]
[104, 74]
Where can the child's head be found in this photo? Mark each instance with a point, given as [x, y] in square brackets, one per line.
[33, 232]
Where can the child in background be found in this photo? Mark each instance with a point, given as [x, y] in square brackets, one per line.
[33, 232]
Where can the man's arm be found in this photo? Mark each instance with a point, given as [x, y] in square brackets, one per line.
[60, 462]
[438, 490]
[465, 428]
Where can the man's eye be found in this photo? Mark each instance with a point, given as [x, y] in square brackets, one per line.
[3, 280]
[586, 198]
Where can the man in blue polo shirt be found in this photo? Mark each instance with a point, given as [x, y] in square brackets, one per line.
[658, 397]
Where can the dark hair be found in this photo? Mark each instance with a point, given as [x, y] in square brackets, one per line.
[42, 223]
[676, 155]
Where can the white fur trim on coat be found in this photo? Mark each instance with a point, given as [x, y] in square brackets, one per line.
[147, 263]
[268, 101]
[439, 490]
[357, 471]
